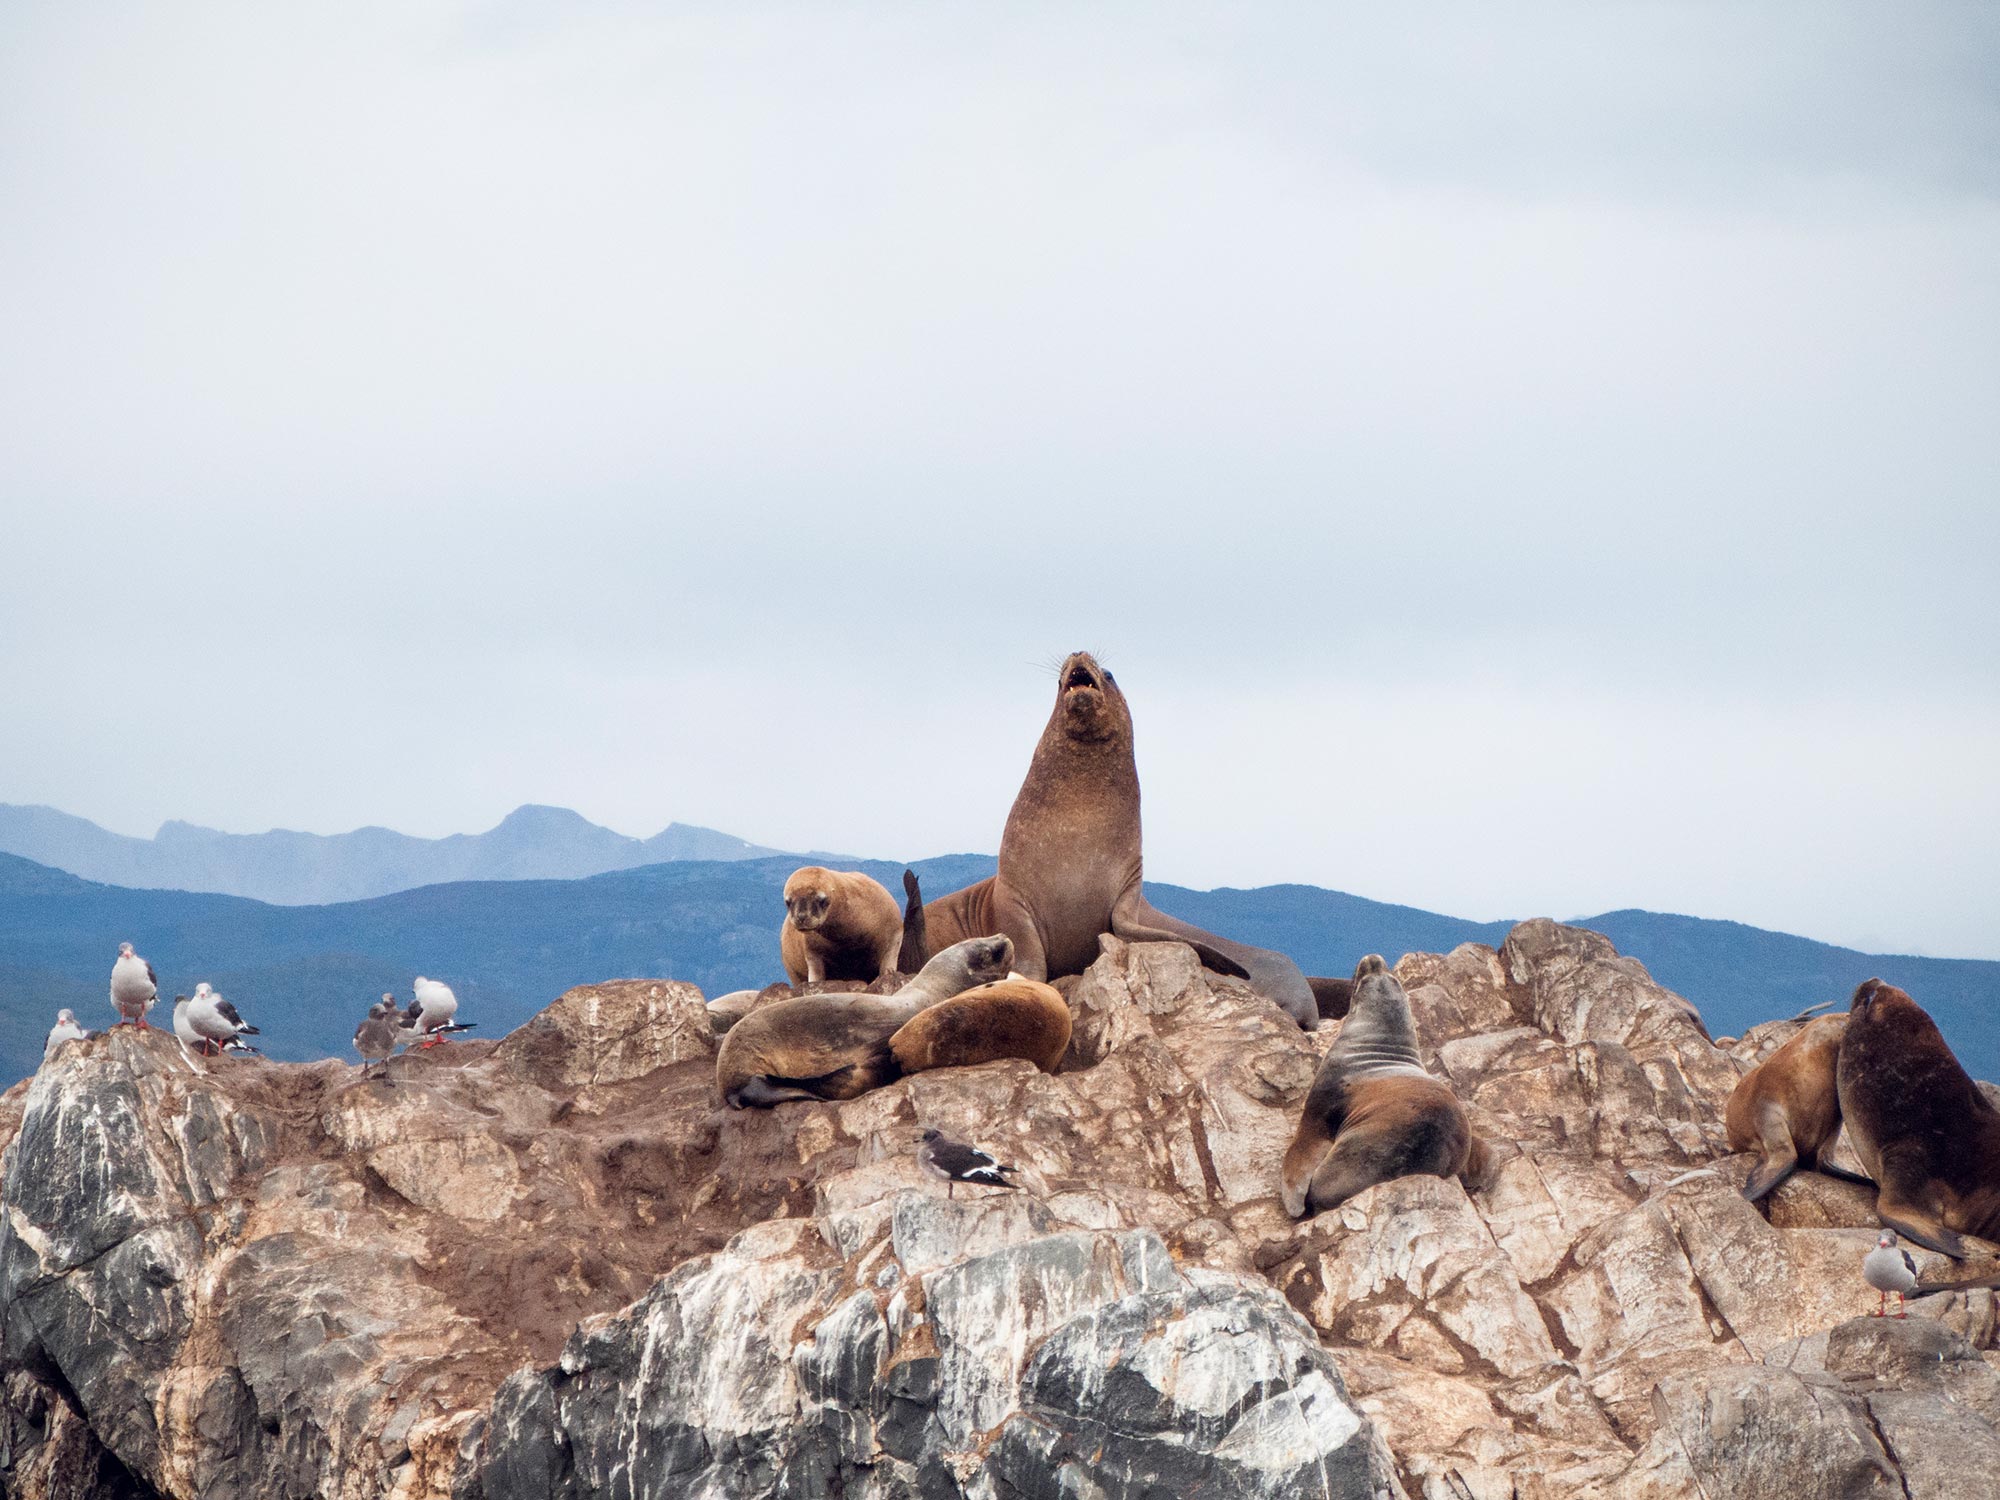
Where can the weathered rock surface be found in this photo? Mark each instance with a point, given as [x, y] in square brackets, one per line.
[552, 1265]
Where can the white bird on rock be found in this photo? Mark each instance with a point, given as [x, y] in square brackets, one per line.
[430, 1014]
[134, 986]
[957, 1162]
[1889, 1269]
[214, 1019]
[65, 1030]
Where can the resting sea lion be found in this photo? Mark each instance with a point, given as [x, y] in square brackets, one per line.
[1787, 1108]
[1070, 857]
[839, 924]
[1921, 1127]
[1373, 1112]
[836, 1046]
[1012, 1018]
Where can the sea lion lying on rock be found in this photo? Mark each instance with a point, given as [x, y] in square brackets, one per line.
[836, 1046]
[1923, 1129]
[1070, 858]
[1014, 1017]
[1787, 1108]
[1373, 1112]
[839, 924]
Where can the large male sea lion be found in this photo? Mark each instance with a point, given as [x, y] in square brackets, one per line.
[836, 1046]
[1070, 857]
[839, 924]
[1373, 1112]
[1787, 1108]
[1013, 1017]
[1922, 1128]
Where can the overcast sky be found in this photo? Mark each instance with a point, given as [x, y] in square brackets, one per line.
[1517, 459]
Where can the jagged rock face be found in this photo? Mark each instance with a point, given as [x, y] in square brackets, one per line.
[555, 1266]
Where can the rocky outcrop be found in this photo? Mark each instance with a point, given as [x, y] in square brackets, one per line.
[552, 1265]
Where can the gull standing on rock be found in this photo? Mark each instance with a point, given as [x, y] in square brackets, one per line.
[1889, 1269]
[134, 986]
[191, 1039]
[430, 1013]
[957, 1162]
[375, 1038]
[215, 1019]
[65, 1030]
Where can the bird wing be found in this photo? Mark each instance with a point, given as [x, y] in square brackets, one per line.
[227, 1010]
[151, 977]
[959, 1159]
[1909, 1265]
[415, 1013]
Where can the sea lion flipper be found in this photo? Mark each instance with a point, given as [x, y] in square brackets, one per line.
[915, 951]
[1137, 920]
[1778, 1155]
[1843, 1174]
[1915, 1225]
[1331, 995]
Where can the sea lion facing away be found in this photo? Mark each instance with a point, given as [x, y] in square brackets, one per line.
[1013, 1018]
[836, 1046]
[1070, 857]
[1787, 1108]
[1921, 1127]
[839, 924]
[1373, 1112]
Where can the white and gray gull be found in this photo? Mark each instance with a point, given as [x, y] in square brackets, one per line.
[65, 1030]
[957, 1162]
[214, 1020]
[134, 987]
[1889, 1269]
[430, 1013]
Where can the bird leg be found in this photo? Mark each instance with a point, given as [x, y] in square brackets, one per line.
[950, 1188]
[141, 1024]
[1901, 1311]
[1881, 1304]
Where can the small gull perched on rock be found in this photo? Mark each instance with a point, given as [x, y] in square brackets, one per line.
[65, 1030]
[191, 1039]
[375, 1038]
[1889, 1269]
[134, 986]
[214, 1019]
[957, 1162]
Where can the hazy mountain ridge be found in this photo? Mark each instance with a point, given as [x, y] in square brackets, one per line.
[287, 868]
[307, 973]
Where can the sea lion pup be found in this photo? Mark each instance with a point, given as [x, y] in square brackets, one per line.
[1373, 1112]
[1070, 857]
[1787, 1108]
[1921, 1127]
[839, 924]
[1011, 1018]
[836, 1046]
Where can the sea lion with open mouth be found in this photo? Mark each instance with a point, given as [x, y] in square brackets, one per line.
[1070, 858]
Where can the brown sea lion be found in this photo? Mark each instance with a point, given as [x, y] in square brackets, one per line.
[1787, 1108]
[1373, 1112]
[1070, 858]
[837, 1046]
[839, 924]
[1010, 1018]
[1921, 1126]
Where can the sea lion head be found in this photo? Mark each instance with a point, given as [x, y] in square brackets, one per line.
[1379, 1029]
[806, 898]
[1090, 709]
[988, 959]
[1879, 1005]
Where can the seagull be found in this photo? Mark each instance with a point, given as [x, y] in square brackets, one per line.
[214, 1019]
[134, 986]
[375, 1038]
[430, 1013]
[191, 1039]
[1889, 1269]
[957, 1162]
[65, 1030]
